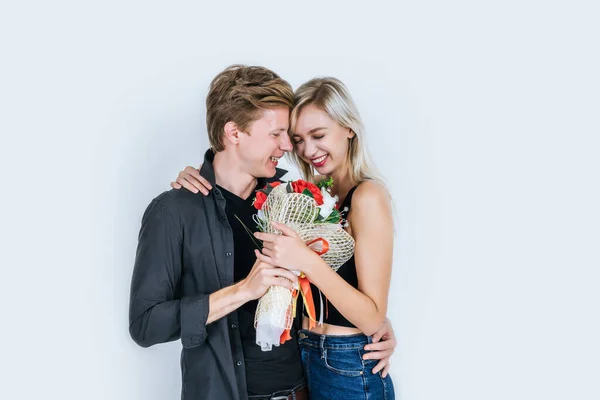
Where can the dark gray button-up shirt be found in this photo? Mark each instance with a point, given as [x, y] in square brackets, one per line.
[184, 254]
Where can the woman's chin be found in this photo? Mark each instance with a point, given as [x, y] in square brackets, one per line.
[324, 170]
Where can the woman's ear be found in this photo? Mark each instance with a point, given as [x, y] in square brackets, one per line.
[351, 133]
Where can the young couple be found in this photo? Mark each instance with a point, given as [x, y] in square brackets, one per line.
[198, 275]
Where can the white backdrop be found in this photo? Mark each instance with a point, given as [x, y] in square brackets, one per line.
[483, 117]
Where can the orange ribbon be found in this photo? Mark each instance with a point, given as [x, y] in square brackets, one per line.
[307, 297]
[285, 336]
[308, 300]
[324, 246]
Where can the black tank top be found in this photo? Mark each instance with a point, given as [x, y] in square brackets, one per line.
[347, 271]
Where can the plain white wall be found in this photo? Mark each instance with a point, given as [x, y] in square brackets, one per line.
[483, 117]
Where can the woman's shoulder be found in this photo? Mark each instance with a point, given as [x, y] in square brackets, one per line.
[372, 208]
[370, 192]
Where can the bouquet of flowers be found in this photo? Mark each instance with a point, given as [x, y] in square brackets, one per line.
[310, 210]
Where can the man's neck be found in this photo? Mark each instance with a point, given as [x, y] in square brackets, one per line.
[230, 176]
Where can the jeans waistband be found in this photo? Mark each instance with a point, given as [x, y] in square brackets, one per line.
[348, 342]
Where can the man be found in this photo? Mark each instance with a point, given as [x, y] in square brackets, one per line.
[195, 263]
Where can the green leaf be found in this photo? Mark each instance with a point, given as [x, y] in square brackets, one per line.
[289, 188]
[325, 183]
[335, 217]
[308, 193]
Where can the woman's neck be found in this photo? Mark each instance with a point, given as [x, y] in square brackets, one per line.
[342, 183]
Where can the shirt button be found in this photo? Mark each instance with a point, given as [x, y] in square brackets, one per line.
[233, 326]
[239, 363]
[228, 254]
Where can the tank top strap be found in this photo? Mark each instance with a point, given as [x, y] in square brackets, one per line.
[347, 201]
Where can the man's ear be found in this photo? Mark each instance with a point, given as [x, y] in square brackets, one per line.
[232, 133]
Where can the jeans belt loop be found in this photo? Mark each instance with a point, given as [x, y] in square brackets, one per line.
[322, 346]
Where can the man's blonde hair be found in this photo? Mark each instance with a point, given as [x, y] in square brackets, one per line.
[238, 94]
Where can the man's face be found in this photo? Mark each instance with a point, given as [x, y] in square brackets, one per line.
[267, 140]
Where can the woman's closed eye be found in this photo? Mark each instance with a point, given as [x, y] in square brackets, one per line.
[299, 141]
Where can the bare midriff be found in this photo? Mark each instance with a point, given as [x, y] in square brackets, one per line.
[327, 329]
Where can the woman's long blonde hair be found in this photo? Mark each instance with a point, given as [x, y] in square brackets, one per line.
[331, 96]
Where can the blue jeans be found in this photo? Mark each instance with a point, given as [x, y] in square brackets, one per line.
[335, 369]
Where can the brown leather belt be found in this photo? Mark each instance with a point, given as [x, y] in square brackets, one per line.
[299, 394]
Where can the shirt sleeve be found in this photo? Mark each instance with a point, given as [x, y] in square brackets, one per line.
[157, 314]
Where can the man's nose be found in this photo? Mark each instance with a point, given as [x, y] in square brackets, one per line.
[285, 144]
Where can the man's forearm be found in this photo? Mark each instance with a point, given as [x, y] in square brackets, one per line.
[226, 300]
[185, 317]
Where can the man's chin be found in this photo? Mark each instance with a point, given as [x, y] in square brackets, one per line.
[270, 173]
[265, 173]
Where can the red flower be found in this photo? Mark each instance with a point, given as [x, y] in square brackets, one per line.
[316, 192]
[259, 200]
[275, 184]
[299, 186]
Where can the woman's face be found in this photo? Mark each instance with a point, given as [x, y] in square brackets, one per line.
[320, 140]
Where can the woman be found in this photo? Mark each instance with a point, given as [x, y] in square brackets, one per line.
[328, 139]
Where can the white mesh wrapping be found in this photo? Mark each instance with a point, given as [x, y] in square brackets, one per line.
[273, 316]
[297, 211]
